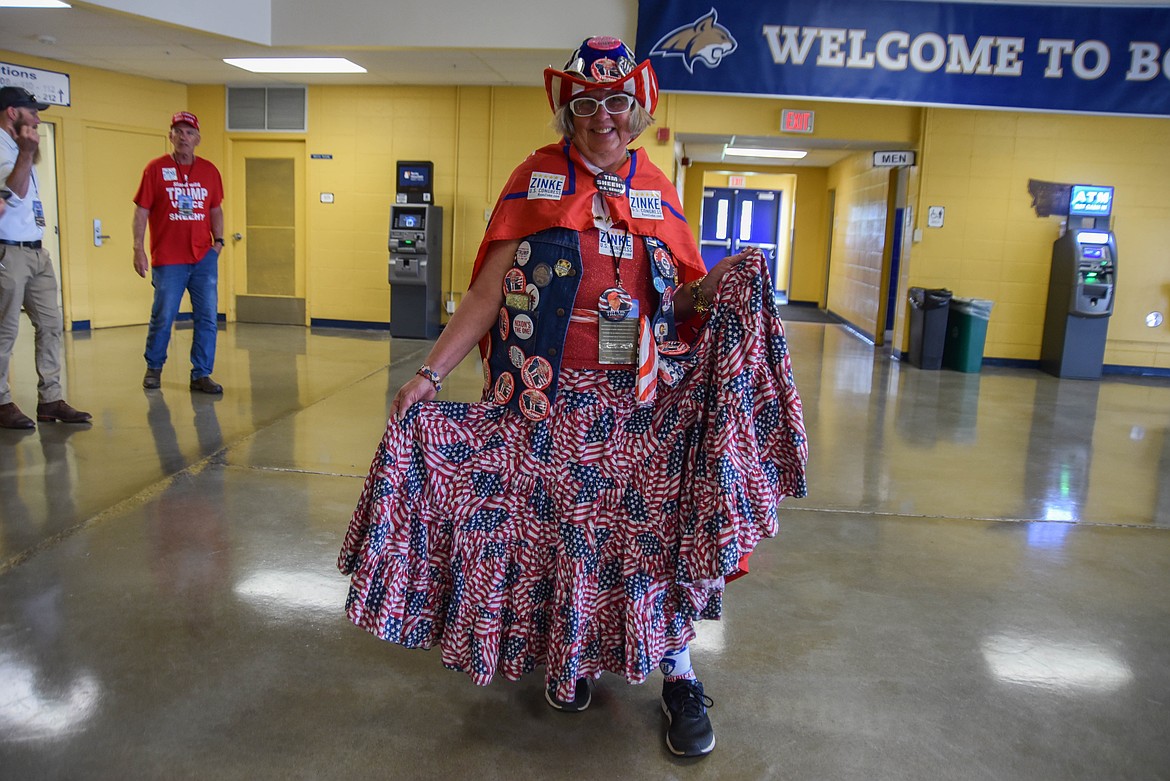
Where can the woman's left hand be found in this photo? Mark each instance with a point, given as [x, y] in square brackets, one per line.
[710, 284]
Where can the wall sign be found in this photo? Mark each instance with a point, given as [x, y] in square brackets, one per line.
[892, 159]
[1098, 59]
[49, 86]
[796, 121]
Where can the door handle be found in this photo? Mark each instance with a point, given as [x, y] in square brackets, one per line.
[237, 236]
[98, 236]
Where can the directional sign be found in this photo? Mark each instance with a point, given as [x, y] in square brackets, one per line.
[49, 86]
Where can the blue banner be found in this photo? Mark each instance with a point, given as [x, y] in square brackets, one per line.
[1113, 60]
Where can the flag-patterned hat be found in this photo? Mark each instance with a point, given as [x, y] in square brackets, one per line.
[602, 61]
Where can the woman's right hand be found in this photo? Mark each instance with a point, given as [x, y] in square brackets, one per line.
[417, 389]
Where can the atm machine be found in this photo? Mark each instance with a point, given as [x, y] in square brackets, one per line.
[416, 255]
[1081, 288]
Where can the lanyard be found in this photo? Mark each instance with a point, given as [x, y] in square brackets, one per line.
[618, 255]
[186, 174]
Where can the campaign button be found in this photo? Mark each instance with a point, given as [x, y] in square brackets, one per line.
[523, 253]
[505, 387]
[563, 268]
[516, 356]
[536, 373]
[662, 261]
[514, 281]
[660, 330]
[522, 326]
[533, 296]
[542, 275]
[659, 284]
[674, 348]
[611, 184]
[615, 304]
[505, 328]
[534, 404]
[667, 299]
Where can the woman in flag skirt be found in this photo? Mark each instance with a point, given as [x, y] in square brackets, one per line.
[638, 427]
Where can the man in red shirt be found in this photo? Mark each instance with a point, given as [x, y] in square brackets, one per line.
[181, 198]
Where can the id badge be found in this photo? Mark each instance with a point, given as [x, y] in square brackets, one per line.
[617, 327]
[186, 205]
[38, 213]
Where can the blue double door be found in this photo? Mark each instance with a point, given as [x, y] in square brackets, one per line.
[733, 219]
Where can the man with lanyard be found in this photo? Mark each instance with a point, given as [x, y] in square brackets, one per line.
[26, 270]
[181, 197]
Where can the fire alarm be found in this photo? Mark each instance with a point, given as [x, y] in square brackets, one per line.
[686, 162]
[663, 134]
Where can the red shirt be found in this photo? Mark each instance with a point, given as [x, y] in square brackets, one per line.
[180, 199]
[597, 276]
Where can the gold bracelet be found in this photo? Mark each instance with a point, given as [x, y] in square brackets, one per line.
[701, 304]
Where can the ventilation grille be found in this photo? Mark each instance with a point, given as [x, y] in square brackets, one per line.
[281, 109]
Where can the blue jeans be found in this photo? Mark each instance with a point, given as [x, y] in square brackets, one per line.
[170, 282]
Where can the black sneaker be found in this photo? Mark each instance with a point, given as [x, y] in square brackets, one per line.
[582, 696]
[689, 733]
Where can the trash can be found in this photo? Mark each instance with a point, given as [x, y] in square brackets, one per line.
[966, 333]
[928, 326]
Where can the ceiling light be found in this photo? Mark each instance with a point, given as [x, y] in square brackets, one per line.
[33, 4]
[295, 64]
[785, 154]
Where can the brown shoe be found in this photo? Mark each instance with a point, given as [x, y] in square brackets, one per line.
[12, 417]
[59, 410]
[207, 385]
[153, 379]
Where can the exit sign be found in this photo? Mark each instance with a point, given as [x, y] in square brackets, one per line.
[796, 120]
[892, 159]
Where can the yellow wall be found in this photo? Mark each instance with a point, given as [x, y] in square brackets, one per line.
[109, 101]
[859, 230]
[974, 163]
[977, 165]
[474, 135]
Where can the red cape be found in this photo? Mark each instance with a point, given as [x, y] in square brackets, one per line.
[516, 216]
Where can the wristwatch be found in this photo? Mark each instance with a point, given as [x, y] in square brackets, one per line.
[219, 242]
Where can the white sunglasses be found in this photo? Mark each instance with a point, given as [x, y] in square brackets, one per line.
[617, 103]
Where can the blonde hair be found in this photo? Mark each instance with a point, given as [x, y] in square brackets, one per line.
[562, 120]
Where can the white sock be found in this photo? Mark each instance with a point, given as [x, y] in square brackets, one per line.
[677, 666]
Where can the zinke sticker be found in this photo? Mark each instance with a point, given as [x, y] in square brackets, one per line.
[646, 204]
[545, 187]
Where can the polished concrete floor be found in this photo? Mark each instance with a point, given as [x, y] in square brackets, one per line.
[975, 587]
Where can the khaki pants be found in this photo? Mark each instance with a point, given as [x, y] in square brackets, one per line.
[27, 279]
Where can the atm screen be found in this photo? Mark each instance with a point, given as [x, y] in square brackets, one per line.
[1086, 200]
[404, 220]
[415, 177]
[1092, 253]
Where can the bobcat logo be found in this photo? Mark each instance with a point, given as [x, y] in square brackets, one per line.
[704, 39]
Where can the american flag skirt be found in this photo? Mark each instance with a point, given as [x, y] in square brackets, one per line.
[591, 541]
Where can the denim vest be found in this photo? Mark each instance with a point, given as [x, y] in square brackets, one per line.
[524, 361]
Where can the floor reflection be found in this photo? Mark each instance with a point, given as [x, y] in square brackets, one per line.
[190, 551]
[1035, 661]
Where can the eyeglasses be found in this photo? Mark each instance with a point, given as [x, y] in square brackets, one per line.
[617, 103]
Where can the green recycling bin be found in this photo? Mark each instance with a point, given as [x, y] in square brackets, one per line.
[966, 333]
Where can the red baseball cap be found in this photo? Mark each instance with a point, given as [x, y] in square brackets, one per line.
[185, 117]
